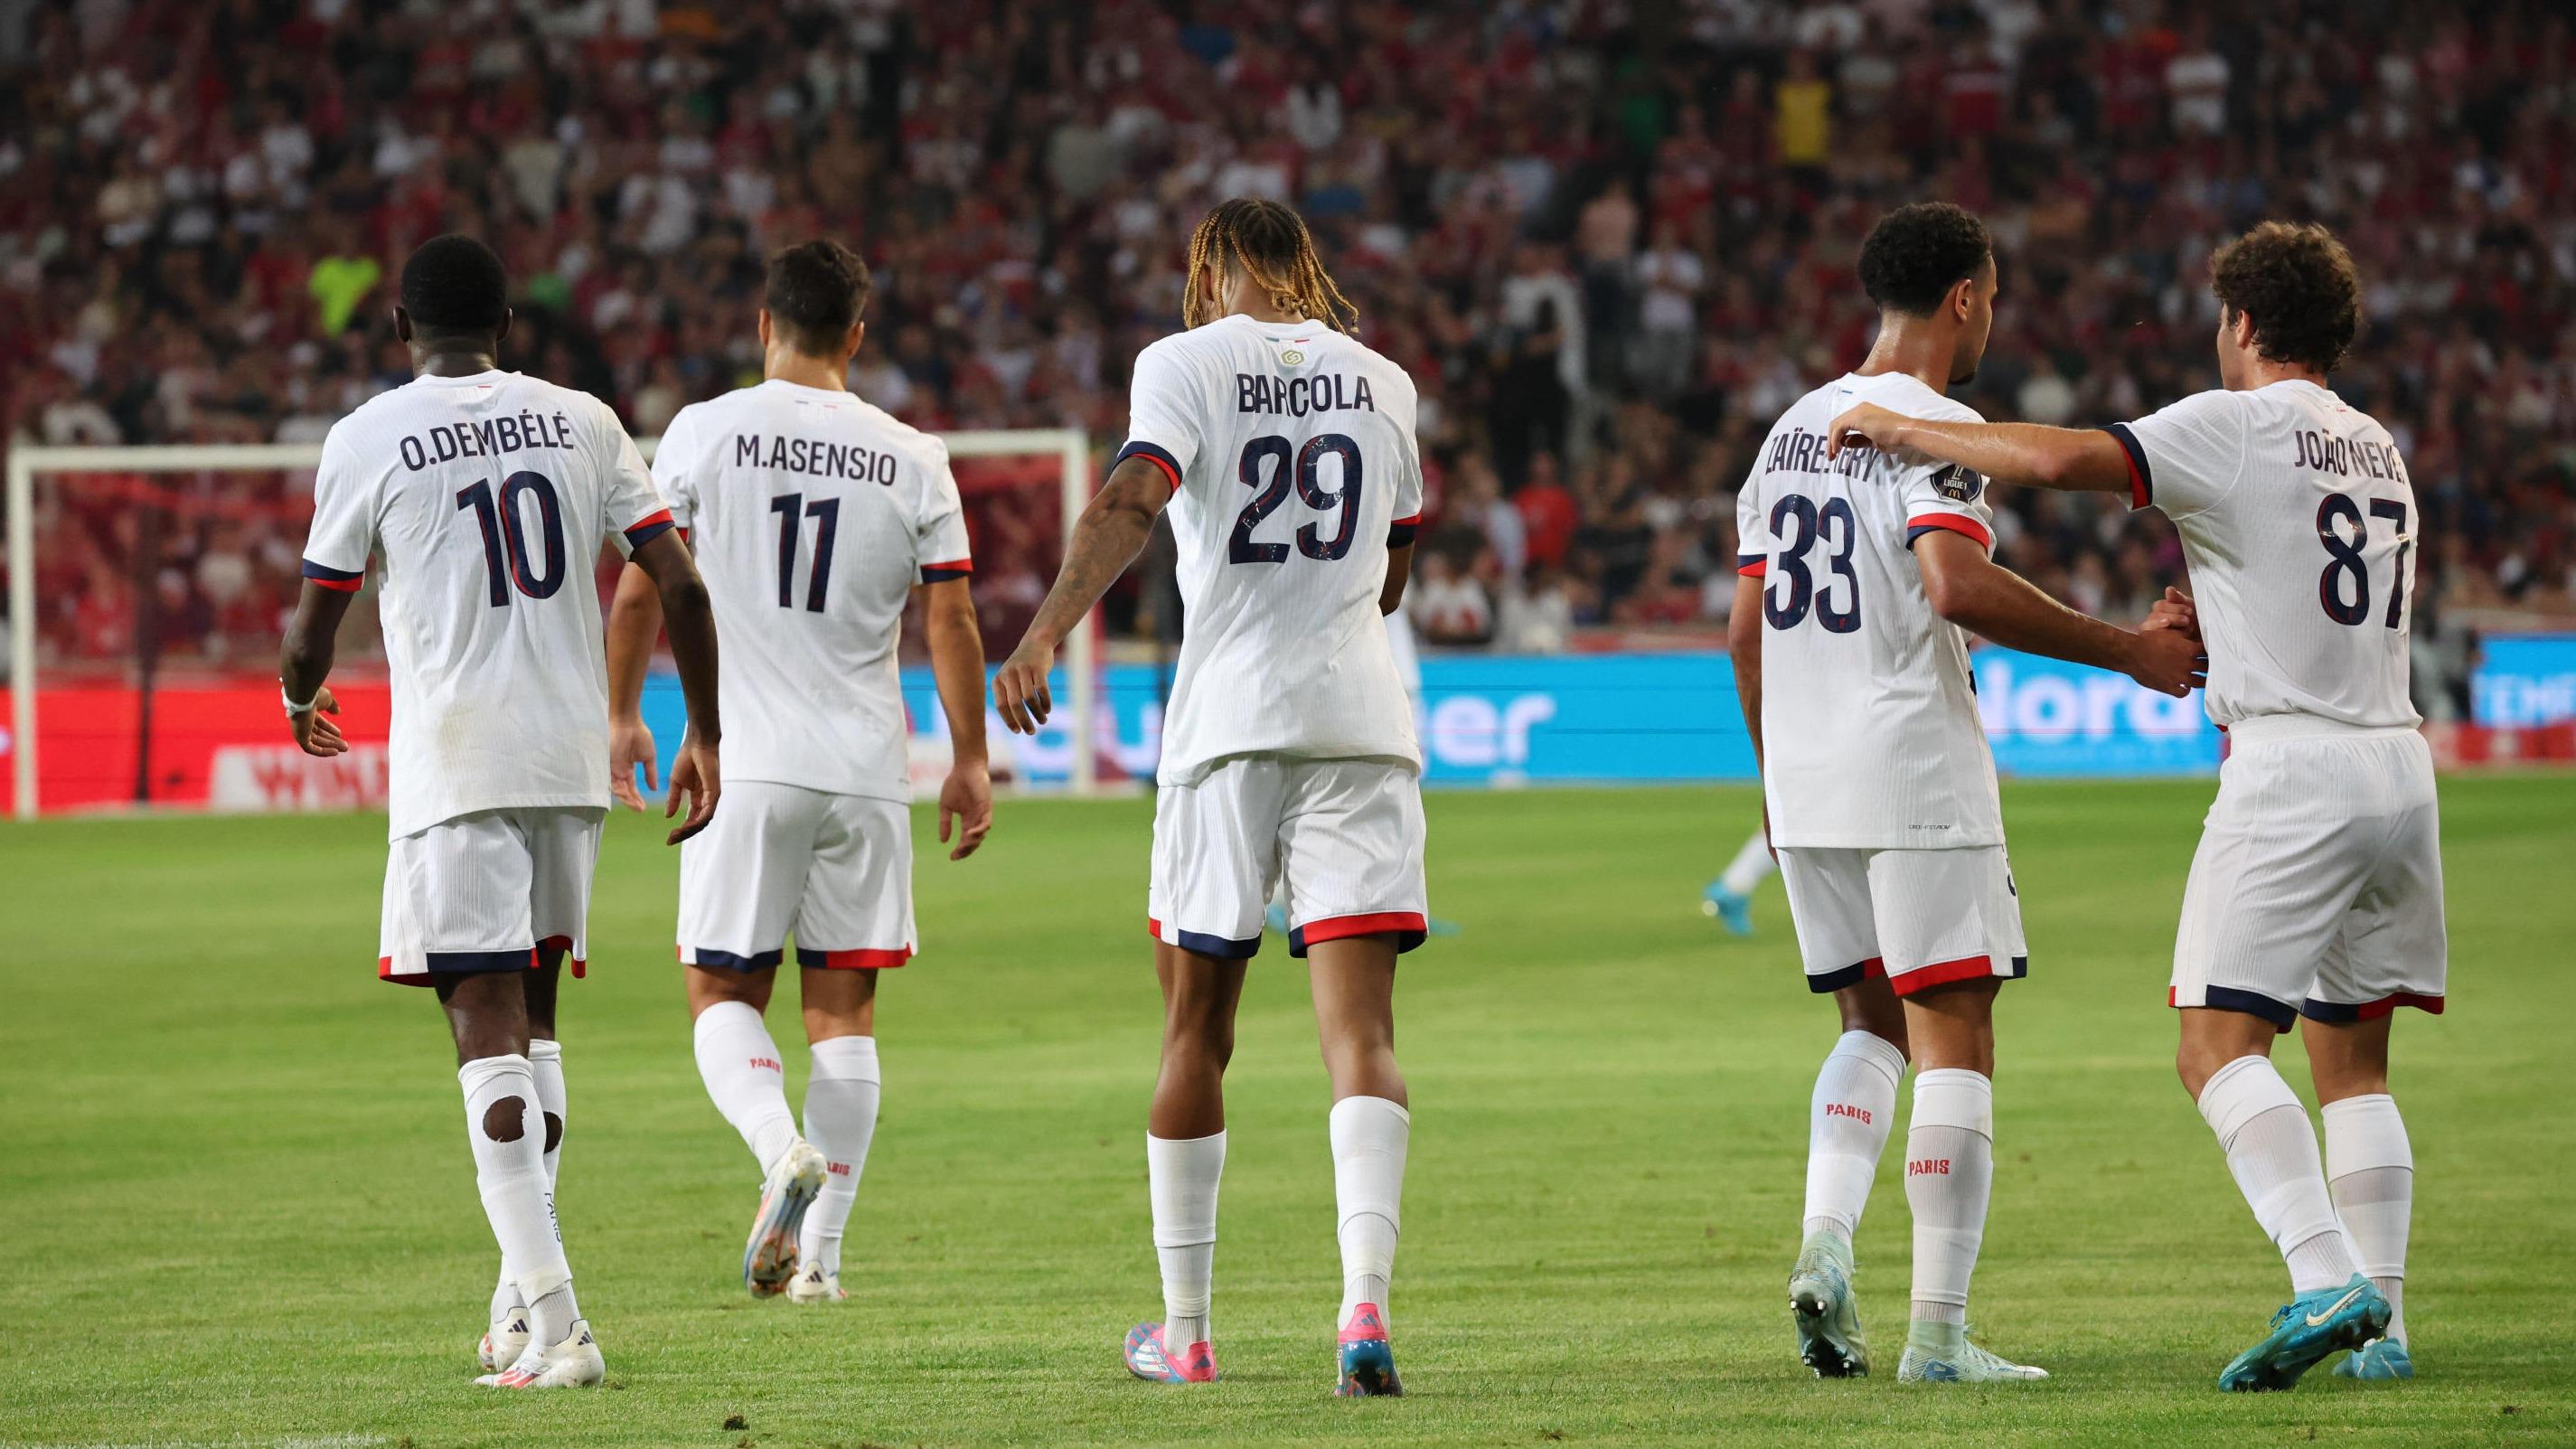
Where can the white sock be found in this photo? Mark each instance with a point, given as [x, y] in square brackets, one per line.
[1847, 1124]
[1369, 1138]
[545, 1060]
[1182, 1176]
[840, 1120]
[511, 1175]
[743, 1074]
[2273, 1153]
[1751, 866]
[1949, 1179]
[2371, 1168]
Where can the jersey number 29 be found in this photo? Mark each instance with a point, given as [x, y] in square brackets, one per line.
[1266, 498]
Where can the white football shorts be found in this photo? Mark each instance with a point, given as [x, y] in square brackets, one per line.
[834, 871]
[1917, 917]
[1345, 834]
[483, 891]
[2317, 887]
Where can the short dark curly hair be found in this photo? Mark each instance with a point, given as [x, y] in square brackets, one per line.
[455, 286]
[816, 291]
[1918, 252]
[2298, 284]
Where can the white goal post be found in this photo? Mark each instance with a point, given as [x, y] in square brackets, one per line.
[1070, 445]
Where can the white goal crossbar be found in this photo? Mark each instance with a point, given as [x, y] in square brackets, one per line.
[1070, 445]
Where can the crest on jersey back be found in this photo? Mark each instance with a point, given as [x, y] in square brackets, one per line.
[1958, 483]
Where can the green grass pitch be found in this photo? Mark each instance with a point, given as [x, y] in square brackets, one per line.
[238, 1207]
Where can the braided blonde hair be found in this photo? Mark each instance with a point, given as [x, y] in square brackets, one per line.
[1269, 243]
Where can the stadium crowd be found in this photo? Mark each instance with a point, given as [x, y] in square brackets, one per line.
[1610, 240]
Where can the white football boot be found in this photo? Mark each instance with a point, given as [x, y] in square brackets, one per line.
[812, 1285]
[572, 1364]
[769, 1257]
[503, 1342]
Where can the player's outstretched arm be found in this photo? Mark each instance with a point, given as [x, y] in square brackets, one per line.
[634, 622]
[304, 661]
[1106, 539]
[957, 664]
[692, 622]
[1979, 595]
[2078, 460]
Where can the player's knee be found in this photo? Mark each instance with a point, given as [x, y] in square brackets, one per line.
[506, 1120]
[554, 1131]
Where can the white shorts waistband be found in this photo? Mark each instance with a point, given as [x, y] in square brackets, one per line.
[2266, 729]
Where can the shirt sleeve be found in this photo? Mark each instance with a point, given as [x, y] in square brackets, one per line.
[632, 511]
[1753, 539]
[939, 536]
[1948, 496]
[1408, 489]
[344, 516]
[675, 469]
[1164, 403]
[2187, 456]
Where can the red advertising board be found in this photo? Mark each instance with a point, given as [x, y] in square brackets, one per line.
[210, 746]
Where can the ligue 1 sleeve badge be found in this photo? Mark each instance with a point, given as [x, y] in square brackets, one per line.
[1958, 484]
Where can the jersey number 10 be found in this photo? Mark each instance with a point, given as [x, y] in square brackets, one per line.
[505, 538]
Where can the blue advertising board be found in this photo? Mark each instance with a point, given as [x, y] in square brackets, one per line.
[1502, 720]
[2524, 679]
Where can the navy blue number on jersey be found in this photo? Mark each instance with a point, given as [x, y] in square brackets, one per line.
[506, 561]
[1800, 525]
[2341, 528]
[1306, 475]
[792, 510]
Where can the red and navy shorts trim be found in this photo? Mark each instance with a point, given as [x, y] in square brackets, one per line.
[1923, 523]
[345, 581]
[1400, 533]
[1154, 453]
[868, 960]
[2339, 1011]
[1852, 975]
[1966, 968]
[2142, 477]
[2253, 1003]
[457, 963]
[730, 960]
[1407, 927]
[1752, 565]
[1202, 944]
[648, 528]
[940, 573]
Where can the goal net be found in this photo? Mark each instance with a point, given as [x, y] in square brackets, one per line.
[148, 588]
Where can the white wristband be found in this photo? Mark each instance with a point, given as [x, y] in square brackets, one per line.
[292, 708]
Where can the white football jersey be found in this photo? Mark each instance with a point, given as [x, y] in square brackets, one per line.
[1293, 466]
[484, 500]
[813, 513]
[1870, 734]
[2299, 524]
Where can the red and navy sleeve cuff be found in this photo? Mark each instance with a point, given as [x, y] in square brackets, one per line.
[648, 528]
[1923, 523]
[1400, 533]
[940, 573]
[1753, 565]
[344, 580]
[1155, 454]
[2142, 478]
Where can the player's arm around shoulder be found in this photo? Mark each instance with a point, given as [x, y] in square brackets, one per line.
[2081, 460]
